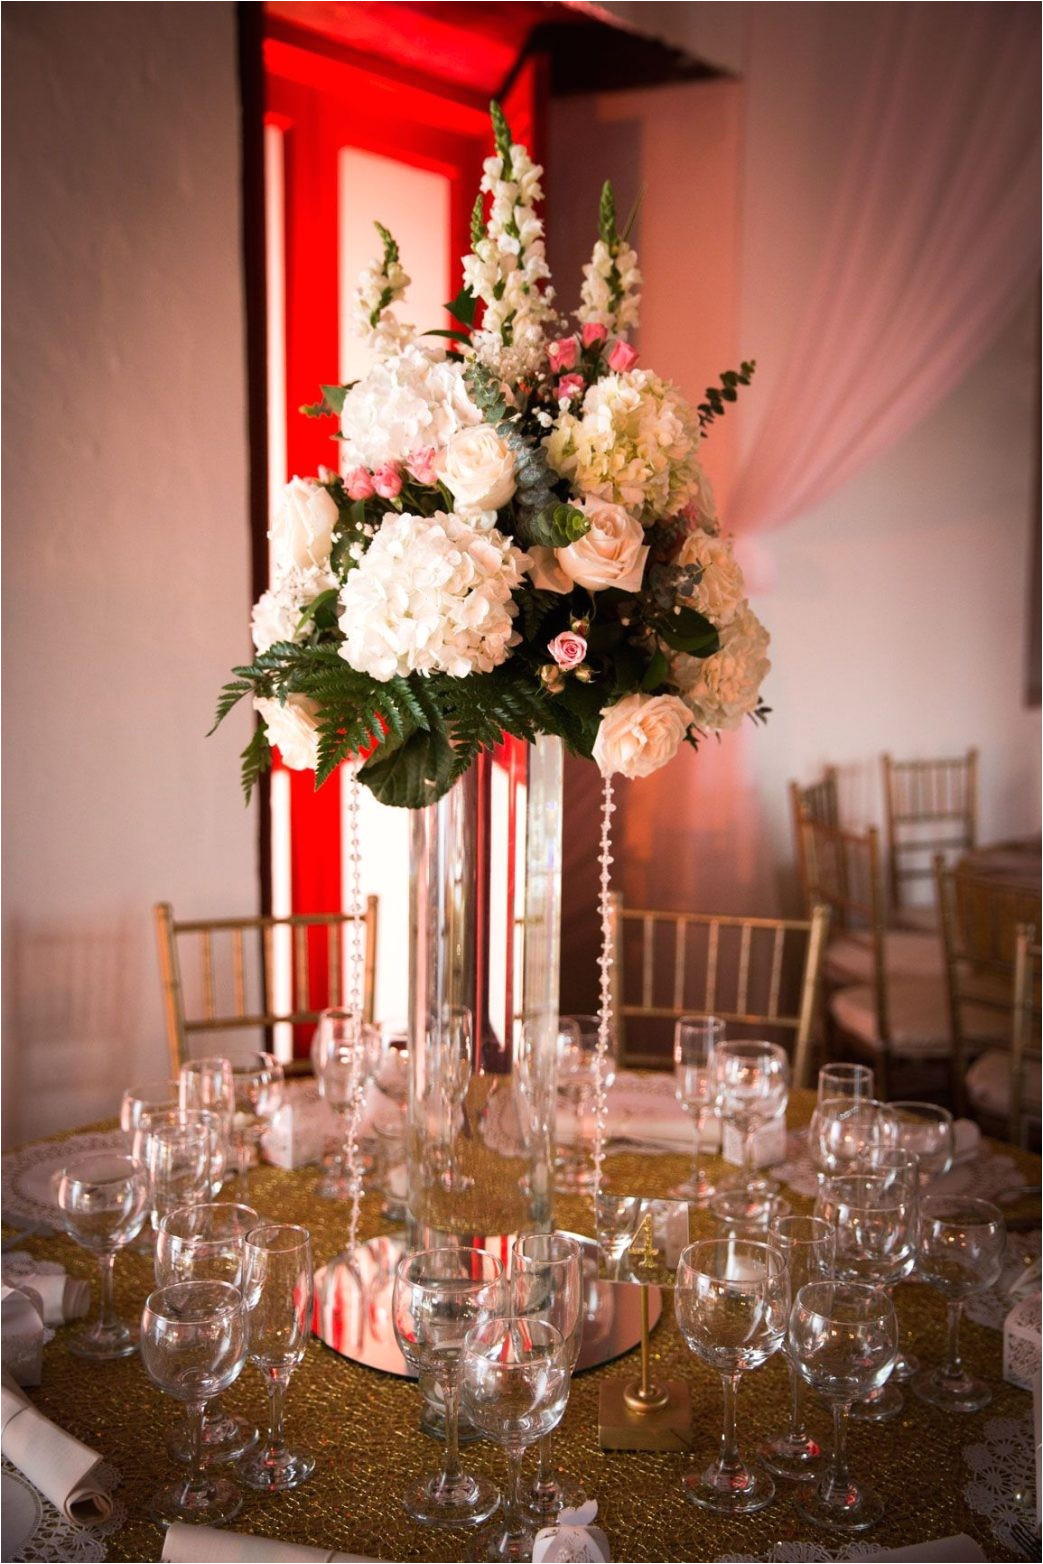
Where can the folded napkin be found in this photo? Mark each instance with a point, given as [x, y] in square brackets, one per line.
[644, 1109]
[22, 1335]
[62, 1298]
[187, 1544]
[960, 1549]
[58, 1465]
[573, 1538]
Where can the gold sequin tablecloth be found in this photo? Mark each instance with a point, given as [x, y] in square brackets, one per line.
[364, 1426]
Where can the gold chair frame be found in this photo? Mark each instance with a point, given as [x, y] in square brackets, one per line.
[920, 793]
[1025, 1026]
[801, 1023]
[819, 801]
[170, 932]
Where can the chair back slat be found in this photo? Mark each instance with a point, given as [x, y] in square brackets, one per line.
[940, 794]
[820, 801]
[1025, 1033]
[209, 1008]
[743, 993]
[239, 972]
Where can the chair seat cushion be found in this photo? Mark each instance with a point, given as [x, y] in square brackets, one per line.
[849, 958]
[988, 1084]
[922, 920]
[919, 1018]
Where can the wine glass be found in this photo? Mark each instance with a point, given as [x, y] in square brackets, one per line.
[617, 1218]
[807, 1245]
[207, 1083]
[179, 1159]
[193, 1344]
[694, 1040]
[874, 1214]
[548, 1280]
[962, 1245]
[750, 1082]
[577, 1078]
[204, 1243]
[514, 1383]
[102, 1198]
[438, 1295]
[842, 1129]
[898, 1166]
[257, 1084]
[345, 1053]
[731, 1298]
[279, 1297]
[926, 1130]
[843, 1339]
[854, 1081]
[152, 1097]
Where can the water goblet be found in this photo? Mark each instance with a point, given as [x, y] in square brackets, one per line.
[103, 1198]
[926, 1130]
[278, 1298]
[514, 1381]
[151, 1097]
[193, 1345]
[731, 1298]
[854, 1081]
[694, 1040]
[547, 1278]
[158, 1118]
[578, 1038]
[962, 1245]
[807, 1245]
[874, 1213]
[750, 1082]
[257, 1084]
[842, 1129]
[179, 1160]
[843, 1338]
[204, 1243]
[438, 1295]
[748, 1211]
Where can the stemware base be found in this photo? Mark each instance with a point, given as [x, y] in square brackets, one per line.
[212, 1503]
[517, 1547]
[951, 1392]
[273, 1471]
[468, 1501]
[879, 1407]
[906, 1365]
[103, 1342]
[798, 1459]
[734, 1491]
[856, 1509]
[697, 1192]
[225, 1439]
[544, 1500]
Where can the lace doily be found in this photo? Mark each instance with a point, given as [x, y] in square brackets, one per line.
[796, 1552]
[1002, 1486]
[26, 1175]
[985, 1175]
[53, 1539]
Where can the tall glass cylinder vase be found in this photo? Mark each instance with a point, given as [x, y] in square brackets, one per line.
[485, 915]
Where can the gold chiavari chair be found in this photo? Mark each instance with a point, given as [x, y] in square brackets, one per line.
[981, 922]
[891, 1000]
[229, 966]
[1003, 1088]
[818, 801]
[752, 972]
[930, 807]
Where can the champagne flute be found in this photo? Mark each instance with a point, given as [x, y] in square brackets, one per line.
[750, 1081]
[548, 1280]
[102, 1198]
[438, 1295]
[694, 1040]
[204, 1243]
[843, 1339]
[514, 1381]
[279, 1298]
[193, 1344]
[257, 1086]
[207, 1084]
[962, 1245]
[731, 1299]
[807, 1245]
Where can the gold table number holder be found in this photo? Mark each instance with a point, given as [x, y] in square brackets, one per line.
[638, 1414]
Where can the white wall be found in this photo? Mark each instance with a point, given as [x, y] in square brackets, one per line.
[126, 566]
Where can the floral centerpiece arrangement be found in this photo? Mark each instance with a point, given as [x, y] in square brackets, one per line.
[518, 535]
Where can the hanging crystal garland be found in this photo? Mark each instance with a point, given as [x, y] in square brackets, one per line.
[360, 1071]
[605, 963]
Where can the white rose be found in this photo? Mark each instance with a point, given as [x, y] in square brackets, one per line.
[292, 728]
[611, 554]
[722, 589]
[640, 733]
[302, 527]
[478, 469]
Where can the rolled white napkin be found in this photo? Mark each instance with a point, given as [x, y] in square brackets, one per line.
[62, 1298]
[22, 1336]
[186, 1544]
[960, 1549]
[58, 1465]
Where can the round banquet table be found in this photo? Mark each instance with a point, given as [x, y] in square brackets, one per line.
[364, 1426]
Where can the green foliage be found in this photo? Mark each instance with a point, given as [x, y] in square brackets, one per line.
[535, 606]
[256, 757]
[607, 216]
[477, 220]
[502, 136]
[718, 396]
[463, 307]
[686, 630]
[655, 673]
[486, 392]
[391, 251]
[332, 402]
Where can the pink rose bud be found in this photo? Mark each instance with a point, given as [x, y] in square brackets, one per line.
[567, 649]
[622, 357]
[562, 354]
[387, 481]
[570, 386]
[593, 332]
[422, 465]
[359, 484]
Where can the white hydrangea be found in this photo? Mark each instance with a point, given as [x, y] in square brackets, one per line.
[722, 588]
[415, 399]
[722, 689]
[276, 615]
[432, 594]
[611, 291]
[507, 267]
[633, 442]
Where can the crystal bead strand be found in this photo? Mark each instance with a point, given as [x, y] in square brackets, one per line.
[605, 963]
[355, 989]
